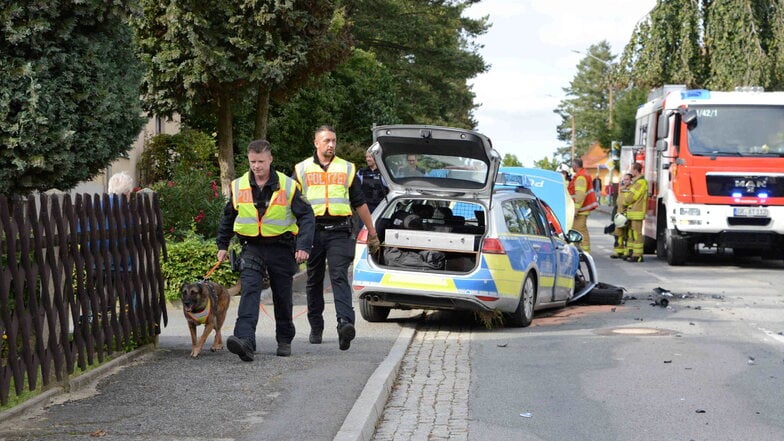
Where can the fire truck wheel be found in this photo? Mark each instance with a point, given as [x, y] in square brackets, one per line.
[677, 249]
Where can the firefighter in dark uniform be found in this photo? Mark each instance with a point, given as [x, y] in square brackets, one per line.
[373, 186]
[275, 226]
[328, 183]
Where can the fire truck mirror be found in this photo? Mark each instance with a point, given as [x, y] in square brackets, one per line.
[661, 145]
[690, 119]
[662, 126]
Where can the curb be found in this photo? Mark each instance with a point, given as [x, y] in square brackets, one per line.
[78, 382]
[360, 423]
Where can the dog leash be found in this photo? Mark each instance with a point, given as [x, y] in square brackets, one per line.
[212, 270]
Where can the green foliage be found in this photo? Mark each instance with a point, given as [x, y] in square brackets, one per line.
[429, 49]
[511, 160]
[546, 164]
[191, 202]
[719, 44]
[189, 261]
[189, 149]
[588, 101]
[216, 53]
[69, 92]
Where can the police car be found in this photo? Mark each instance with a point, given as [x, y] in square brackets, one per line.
[460, 233]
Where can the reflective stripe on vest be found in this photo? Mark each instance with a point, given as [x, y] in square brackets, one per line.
[327, 190]
[277, 219]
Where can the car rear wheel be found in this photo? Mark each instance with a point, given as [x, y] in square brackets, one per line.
[372, 313]
[524, 314]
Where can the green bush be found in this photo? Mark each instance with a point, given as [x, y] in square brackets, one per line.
[189, 260]
[164, 154]
[192, 201]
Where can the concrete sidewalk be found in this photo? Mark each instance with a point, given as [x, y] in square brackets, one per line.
[161, 393]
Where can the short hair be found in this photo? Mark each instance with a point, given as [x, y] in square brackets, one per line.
[121, 183]
[637, 166]
[259, 146]
[578, 162]
[324, 128]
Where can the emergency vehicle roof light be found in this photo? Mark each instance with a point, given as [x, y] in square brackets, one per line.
[749, 89]
[695, 94]
[513, 179]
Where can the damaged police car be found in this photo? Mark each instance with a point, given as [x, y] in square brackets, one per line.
[459, 234]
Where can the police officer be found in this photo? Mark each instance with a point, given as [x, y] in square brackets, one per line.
[328, 183]
[275, 225]
[584, 197]
[373, 186]
[634, 204]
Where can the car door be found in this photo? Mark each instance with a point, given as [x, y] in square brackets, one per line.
[563, 253]
[529, 246]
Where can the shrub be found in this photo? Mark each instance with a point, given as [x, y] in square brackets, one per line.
[192, 201]
[189, 260]
[164, 154]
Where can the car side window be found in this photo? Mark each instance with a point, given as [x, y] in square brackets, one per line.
[529, 219]
[552, 221]
[510, 217]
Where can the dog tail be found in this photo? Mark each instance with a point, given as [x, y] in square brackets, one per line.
[236, 289]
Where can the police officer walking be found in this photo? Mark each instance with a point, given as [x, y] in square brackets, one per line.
[328, 183]
[275, 225]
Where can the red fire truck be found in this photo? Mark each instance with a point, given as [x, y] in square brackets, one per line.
[714, 162]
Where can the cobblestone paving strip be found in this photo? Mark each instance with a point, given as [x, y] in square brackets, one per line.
[429, 400]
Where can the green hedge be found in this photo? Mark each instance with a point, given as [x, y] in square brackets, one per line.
[189, 261]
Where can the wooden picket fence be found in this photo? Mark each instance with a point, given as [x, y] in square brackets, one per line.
[80, 283]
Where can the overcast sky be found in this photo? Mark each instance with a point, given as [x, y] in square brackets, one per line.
[529, 47]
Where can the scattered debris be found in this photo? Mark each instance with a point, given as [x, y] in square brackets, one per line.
[661, 297]
[638, 318]
[717, 296]
[667, 361]
[526, 415]
[612, 309]
[700, 411]
[750, 360]
[99, 433]
[501, 345]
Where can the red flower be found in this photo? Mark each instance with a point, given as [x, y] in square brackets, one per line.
[199, 217]
[170, 183]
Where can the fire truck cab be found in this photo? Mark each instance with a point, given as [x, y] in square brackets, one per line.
[714, 162]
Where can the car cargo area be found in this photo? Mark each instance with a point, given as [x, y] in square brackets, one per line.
[430, 235]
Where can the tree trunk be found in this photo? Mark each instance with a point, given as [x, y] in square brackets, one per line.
[262, 112]
[225, 142]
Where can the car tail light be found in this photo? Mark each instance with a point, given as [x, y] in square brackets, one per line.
[362, 236]
[492, 246]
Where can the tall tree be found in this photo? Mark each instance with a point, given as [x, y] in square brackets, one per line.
[587, 105]
[69, 92]
[429, 47]
[219, 52]
[665, 47]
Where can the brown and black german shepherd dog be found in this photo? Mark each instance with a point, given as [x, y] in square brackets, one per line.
[205, 303]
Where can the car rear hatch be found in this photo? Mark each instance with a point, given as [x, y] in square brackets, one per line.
[438, 161]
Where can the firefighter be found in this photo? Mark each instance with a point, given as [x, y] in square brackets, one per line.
[620, 249]
[584, 197]
[634, 205]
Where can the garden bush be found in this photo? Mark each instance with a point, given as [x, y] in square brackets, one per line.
[163, 154]
[189, 260]
[192, 201]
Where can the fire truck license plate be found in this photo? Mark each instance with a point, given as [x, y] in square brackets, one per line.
[751, 211]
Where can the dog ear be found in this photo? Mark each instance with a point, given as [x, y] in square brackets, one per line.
[182, 287]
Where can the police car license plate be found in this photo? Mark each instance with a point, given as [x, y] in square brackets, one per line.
[750, 211]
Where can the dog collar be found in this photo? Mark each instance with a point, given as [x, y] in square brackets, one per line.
[201, 317]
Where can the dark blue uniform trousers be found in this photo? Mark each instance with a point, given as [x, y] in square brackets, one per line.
[337, 248]
[281, 266]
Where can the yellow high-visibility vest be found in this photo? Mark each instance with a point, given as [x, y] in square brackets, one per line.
[327, 190]
[276, 219]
